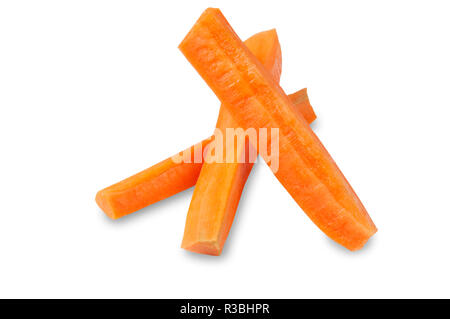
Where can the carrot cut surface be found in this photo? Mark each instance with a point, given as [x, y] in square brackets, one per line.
[220, 185]
[255, 100]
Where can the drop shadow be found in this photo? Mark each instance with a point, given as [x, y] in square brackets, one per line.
[315, 125]
[243, 205]
[344, 251]
[203, 257]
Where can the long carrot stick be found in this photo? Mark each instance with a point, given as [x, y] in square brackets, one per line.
[220, 184]
[166, 178]
[255, 100]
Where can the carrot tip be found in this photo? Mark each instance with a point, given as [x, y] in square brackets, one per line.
[363, 242]
[103, 203]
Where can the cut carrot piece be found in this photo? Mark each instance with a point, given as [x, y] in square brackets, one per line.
[164, 179]
[219, 186]
[156, 183]
[255, 100]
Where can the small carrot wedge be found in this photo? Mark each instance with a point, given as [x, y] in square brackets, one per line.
[219, 186]
[255, 100]
[301, 100]
[164, 179]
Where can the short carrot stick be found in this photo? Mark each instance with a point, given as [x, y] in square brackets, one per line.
[164, 179]
[255, 100]
[220, 184]
[156, 183]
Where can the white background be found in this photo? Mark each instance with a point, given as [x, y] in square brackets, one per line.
[94, 91]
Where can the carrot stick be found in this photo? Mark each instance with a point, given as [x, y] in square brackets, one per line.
[219, 186]
[156, 183]
[255, 100]
[164, 179]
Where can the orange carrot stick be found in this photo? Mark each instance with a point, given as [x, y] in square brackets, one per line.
[164, 179]
[255, 100]
[156, 183]
[219, 186]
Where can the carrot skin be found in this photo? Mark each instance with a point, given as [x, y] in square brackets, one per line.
[255, 100]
